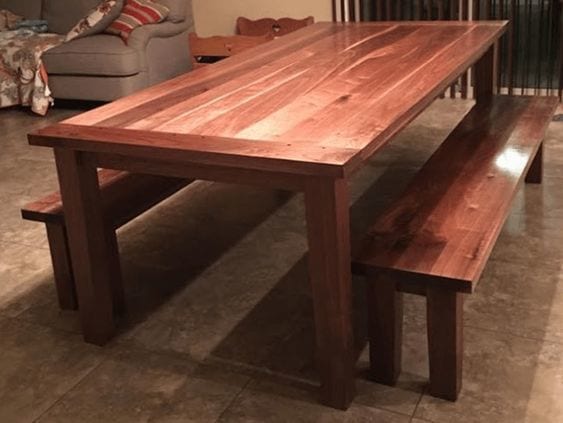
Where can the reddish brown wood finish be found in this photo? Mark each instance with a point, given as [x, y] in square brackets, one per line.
[124, 196]
[385, 329]
[62, 266]
[200, 149]
[445, 342]
[327, 213]
[535, 173]
[444, 226]
[437, 237]
[381, 74]
[303, 111]
[275, 27]
[484, 77]
[89, 245]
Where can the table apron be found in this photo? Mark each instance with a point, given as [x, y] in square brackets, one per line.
[242, 176]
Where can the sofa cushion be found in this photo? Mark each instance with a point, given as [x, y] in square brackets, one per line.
[101, 55]
[29, 9]
[62, 15]
[137, 13]
[97, 20]
[178, 9]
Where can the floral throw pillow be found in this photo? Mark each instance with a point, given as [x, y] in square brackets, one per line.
[8, 20]
[97, 20]
[137, 13]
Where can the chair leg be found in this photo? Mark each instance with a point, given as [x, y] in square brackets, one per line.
[385, 313]
[62, 266]
[535, 173]
[445, 342]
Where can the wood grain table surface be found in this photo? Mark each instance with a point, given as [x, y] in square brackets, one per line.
[302, 112]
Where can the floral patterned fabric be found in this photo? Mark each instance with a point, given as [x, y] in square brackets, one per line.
[23, 80]
[8, 20]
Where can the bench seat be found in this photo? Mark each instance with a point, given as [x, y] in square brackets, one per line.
[436, 238]
[124, 196]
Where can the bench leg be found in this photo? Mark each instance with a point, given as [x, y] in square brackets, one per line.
[385, 309]
[62, 267]
[116, 275]
[445, 342]
[535, 173]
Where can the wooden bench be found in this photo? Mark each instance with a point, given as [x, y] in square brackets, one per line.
[437, 237]
[124, 196]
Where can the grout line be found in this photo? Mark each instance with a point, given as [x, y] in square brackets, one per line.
[515, 335]
[104, 358]
[20, 319]
[237, 396]
[417, 404]
[60, 399]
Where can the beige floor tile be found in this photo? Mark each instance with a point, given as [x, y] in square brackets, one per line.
[531, 241]
[136, 386]
[24, 273]
[264, 401]
[506, 379]
[37, 367]
[27, 288]
[541, 200]
[13, 229]
[526, 301]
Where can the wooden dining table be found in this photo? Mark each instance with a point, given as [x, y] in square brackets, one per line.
[301, 113]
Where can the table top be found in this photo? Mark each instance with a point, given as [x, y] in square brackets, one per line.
[319, 100]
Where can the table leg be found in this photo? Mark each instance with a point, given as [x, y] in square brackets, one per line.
[89, 247]
[484, 76]
[327, 212]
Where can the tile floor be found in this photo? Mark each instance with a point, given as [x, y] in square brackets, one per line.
[219, 327]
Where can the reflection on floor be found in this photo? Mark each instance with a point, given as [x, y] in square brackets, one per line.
[220, 322]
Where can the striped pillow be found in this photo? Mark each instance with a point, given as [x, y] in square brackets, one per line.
[137, 13]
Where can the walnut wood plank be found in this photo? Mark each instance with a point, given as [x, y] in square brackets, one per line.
[444, 226]
[144, 103]
[256, 82]
[198, 149]
[318, 71]
[373, 119]
[338, 85]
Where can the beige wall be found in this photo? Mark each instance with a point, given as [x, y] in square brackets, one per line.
[217, 17]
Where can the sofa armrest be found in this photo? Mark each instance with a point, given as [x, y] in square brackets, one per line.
[141, 36]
